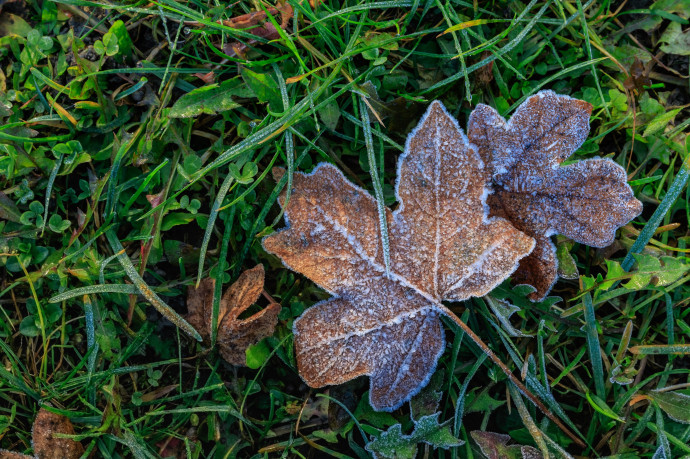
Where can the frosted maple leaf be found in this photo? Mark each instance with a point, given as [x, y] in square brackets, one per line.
[443, 246]
[586, 201]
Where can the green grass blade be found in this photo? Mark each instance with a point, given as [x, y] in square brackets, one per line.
[594, 347]
[655, 220]
[49, 189]
[213, 214]
[146, 291]
[95, 289]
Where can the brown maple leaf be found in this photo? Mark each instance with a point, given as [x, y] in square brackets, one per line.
[443, 246]
[586, 201]
[235, 335]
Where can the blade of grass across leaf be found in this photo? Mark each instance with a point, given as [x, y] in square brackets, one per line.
[289, 137]
[131, 90]
[352, 416]
[145, 290]
[253, 185]
[218, 289]
[376, 182]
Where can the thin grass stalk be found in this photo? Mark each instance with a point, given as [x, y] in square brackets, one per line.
[460, 403]
[213, 214]
[92, 346]
[650, 228]
[222, 257]
[146, 291]
[49, 189]
[128, 289]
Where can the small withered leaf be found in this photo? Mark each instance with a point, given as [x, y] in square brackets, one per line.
[235, 335]
[495, 446]
[586, 201]
[46, 445]
[443, 246]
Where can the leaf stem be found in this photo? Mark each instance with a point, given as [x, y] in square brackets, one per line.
[504, 368]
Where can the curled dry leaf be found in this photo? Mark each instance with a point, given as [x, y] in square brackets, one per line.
[495, 446]
[48, 446]
[443, 246]
[235, 335]
[586, 201]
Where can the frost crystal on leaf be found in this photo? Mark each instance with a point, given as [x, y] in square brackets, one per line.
[586, 201]
[235, 335]
[443, 246]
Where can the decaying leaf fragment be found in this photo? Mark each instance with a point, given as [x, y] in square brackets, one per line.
[443, 246]
[586, 201]
[46, 444]
[235, 335]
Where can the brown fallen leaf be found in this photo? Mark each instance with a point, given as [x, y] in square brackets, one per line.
[443, 246]
[639, 77]
[257, 24]
[586, 201]
[46, 445]
[495, 446]
[235, 335]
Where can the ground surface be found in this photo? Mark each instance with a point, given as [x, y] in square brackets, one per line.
[104, 151]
